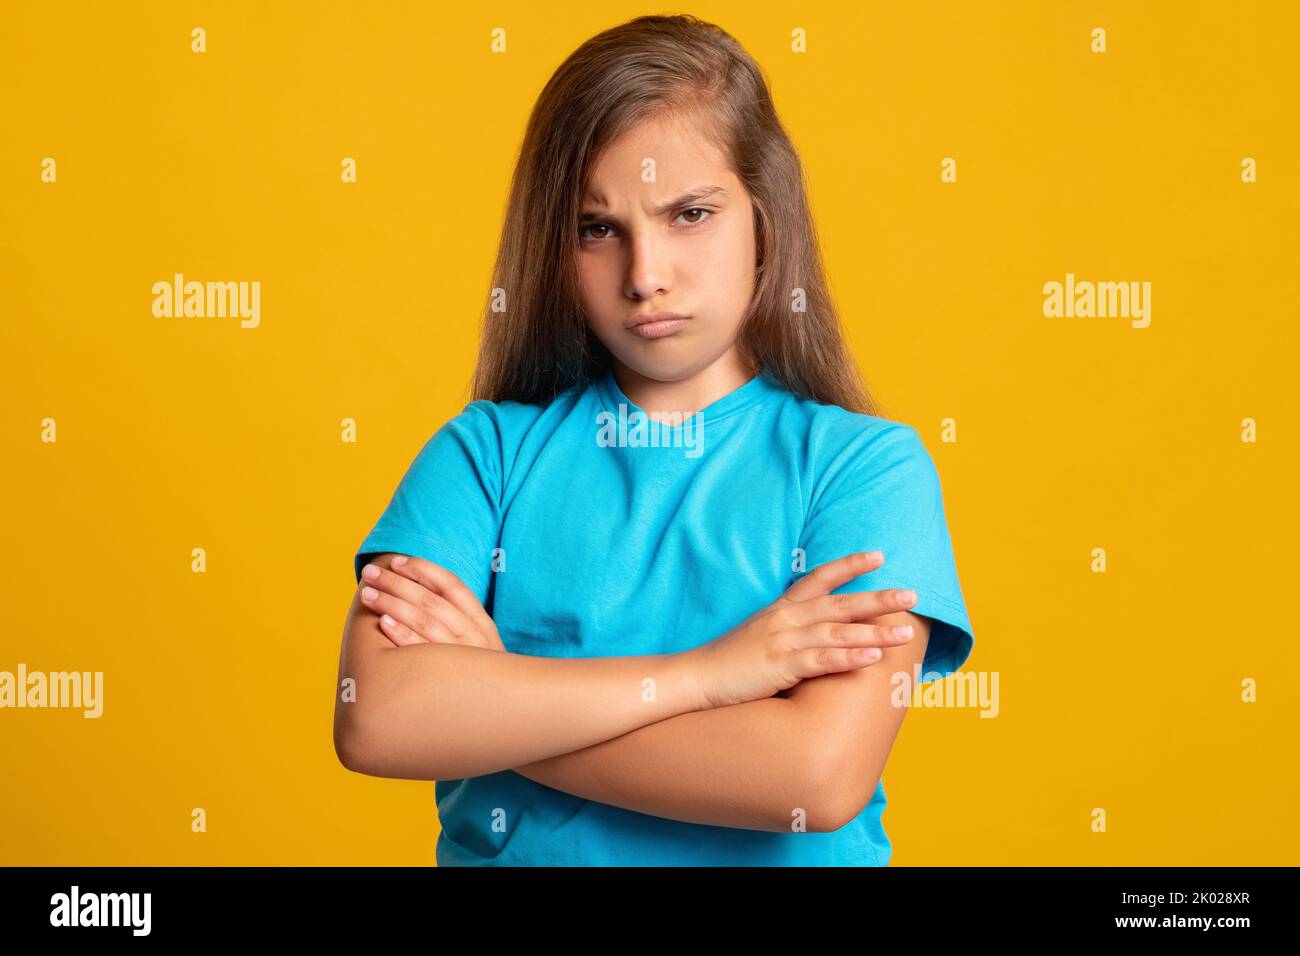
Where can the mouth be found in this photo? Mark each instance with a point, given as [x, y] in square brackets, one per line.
[657, 324]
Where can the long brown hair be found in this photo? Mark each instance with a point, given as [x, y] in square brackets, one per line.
[536, 342]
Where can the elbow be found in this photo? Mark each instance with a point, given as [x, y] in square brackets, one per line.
[346, 748]
[840, 797]
[836, 809]
[356, 748]
[815, 795]
[844, 809]
[368, 744]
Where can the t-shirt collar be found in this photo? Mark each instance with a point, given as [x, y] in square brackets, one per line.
[738, 399]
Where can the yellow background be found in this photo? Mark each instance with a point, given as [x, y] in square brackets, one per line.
[1119, 690]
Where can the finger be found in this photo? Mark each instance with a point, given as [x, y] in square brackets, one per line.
[814, 662]
[433, 605]
[437, 578]
[825, 578]
[398, 633]
[854, 606]
[417, 619]
[836, 634]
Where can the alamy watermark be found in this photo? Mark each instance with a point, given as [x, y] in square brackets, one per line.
[84, 689]
[75, 908]
[198, 300]
[635, 429]
[1086, 300]
[977, 689]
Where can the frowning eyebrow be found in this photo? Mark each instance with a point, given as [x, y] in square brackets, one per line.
[697, 194]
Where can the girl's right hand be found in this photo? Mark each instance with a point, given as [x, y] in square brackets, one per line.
[806, 632]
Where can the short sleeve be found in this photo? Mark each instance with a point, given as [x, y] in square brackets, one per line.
[446, 509]
[882, 493]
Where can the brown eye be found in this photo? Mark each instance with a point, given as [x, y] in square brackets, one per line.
[695, 209]
[582, 233]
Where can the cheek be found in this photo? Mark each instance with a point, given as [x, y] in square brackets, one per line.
[589, 288]
[595, 277]
[728, 266]
[731, 255]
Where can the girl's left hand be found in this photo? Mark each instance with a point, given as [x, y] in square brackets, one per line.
[422, 602]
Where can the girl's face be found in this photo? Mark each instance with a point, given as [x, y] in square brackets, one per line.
[667, 227]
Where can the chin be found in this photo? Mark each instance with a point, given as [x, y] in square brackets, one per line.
[675, 369]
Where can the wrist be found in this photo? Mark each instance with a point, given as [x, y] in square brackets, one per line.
[692, 674]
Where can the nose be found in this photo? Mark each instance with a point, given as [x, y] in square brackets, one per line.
[647, 270]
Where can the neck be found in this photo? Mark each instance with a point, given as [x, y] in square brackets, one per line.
[688, 395]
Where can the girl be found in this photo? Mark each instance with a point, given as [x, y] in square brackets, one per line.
[588, 610]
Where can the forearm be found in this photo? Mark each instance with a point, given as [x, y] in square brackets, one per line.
[747, 765]
[446, 711]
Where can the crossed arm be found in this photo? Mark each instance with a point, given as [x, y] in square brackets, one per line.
[814, 752]
[819, 750]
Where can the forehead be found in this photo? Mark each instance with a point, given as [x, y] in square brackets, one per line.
[677, 143]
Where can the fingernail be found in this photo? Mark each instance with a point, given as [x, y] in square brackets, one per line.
[907, 597]
[370, 571]
[369, 593]
[872, 653]
[399, 560]
[388, 620]
[902, 630]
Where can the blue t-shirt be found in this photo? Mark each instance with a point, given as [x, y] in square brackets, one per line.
[587, 530]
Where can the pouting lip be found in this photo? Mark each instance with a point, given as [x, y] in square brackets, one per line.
[655, 317]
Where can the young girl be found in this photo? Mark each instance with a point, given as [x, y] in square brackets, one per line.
[645, 601]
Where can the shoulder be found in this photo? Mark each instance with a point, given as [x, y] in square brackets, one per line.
[494, 433]
[838, 439]
[509, 416]
[865, 459]
[494, 424]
